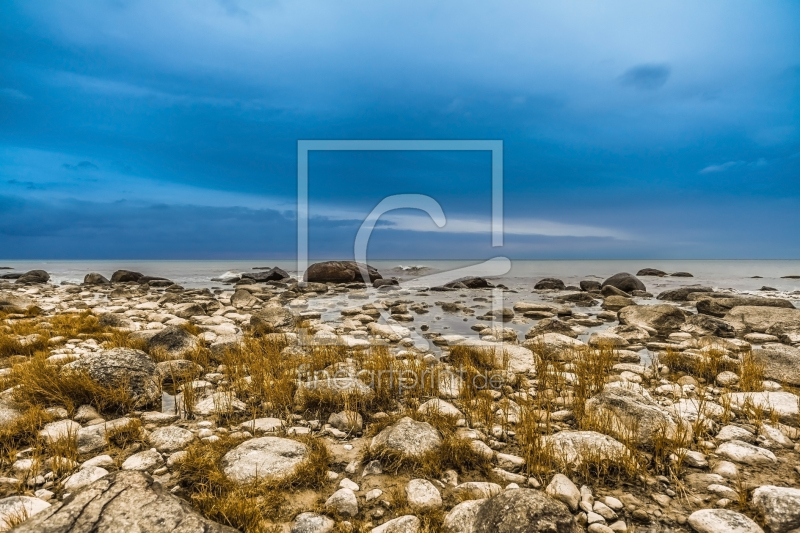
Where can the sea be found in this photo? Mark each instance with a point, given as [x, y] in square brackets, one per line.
[745, 276]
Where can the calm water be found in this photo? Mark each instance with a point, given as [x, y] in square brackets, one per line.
[720, 274]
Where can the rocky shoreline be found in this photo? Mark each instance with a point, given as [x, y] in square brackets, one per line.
[327, 404]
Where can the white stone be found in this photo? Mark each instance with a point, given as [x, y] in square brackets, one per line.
[143, 461]
[422, 495]
[722, 521]
[84, 477]
[343, 501]
[564, 490]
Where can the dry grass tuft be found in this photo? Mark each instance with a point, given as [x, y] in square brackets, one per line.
[251, 508]
[40, 383]
[22, 433]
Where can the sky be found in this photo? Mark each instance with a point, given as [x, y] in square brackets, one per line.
[134, 129]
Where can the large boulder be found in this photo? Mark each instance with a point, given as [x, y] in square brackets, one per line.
[118, 503]
[266, 458]
[122, 367]
[551, 284]
[703, 325]
[625, 282]
[627, 413]
[651, 272]
[781, 363]
[272, 318]
[407, 438]
[663, 318]
[34, 276]
[779, 506]
[14, 303]
[782, 404]
[470, 283]
[174, 341]
[123, 276]
[93, 278]
[524, 511]
[682, 294]
[273, 274]
[340, 272]
[720, 306]
[771, 320]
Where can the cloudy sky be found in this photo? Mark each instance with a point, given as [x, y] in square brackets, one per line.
[141, 129]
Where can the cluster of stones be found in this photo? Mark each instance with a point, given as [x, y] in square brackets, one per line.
[741, 458]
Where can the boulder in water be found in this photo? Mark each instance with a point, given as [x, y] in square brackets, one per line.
[34, 276]
[124, 276]
[340, 272]
[625, 282]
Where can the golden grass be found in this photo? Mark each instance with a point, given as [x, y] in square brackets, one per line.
[22, 433]
[253, 507]
[40, 383]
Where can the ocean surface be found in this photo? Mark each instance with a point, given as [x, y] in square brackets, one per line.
[739, 275]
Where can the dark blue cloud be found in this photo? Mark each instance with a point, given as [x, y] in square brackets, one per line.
[196, 107]
[646, 77]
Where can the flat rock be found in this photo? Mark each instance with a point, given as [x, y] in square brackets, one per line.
[722, 521]
[663, 318]
[783, 404]
[272, 458]
[120, 503]
[83, 477]
[403, 524]
[312, 523]
[742, 452]
[14, 507]
[573, 448]
[524, 510]
[170, 438]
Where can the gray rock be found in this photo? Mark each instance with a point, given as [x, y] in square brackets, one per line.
[551, 325]
[780, 507]
[272, 458]
[422, 495]
[93, 438]
[625, 282]
[564, 490]
[722, 521]
[702, 325]
[781, 363]
[629, 412]
[721, 306]
[143, 461]
[551, 284]
[120, 503]
[524, 511]
[15, 507]
[461, 518]
[651, 272]
[343, 501]
[94, 278]
[742, 452]
[173, 340]
[340, 272]
[272, 318]
[573, 448]
[122, 367]
[682, 294]
[783, 404]
[408, 438]
[123, 276]
[170, 438]
[34, 276]
[402, 524]
[347, 421]
[663, 318]
[83, 477]
[312, 523]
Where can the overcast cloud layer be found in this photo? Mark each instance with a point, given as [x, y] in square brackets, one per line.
[138, 129]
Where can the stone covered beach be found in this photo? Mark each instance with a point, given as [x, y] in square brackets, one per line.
[269, 403]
